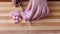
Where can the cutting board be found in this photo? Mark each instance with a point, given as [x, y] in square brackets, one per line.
[48, 25]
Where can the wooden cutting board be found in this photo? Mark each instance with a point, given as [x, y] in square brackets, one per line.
[48, 25]
[23, 0]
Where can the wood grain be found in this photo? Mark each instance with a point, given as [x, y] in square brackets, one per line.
[47, 25]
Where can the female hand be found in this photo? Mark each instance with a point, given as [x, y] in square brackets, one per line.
[38, 8]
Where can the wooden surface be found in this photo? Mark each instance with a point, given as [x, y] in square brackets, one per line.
[48, 25]
[23, 0]
[10, 0]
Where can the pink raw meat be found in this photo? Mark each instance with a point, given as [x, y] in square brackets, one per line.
[16, 17]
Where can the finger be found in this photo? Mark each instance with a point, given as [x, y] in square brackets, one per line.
[33, 11]
[47, 9]
[38, 12]
[13, 1]
[43, 13]
[29, 6]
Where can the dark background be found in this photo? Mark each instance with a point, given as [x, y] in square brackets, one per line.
[23, 0]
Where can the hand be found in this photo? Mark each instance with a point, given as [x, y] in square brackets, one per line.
[15, 2]
[38, 8]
